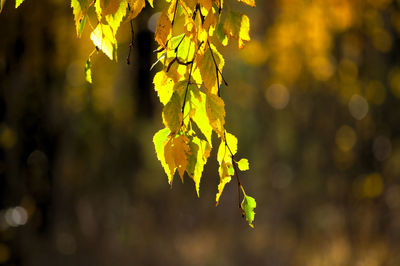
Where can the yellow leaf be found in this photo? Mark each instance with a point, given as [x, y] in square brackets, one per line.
[238, 26]
[109, 6]
[207, 4]
[18, 3]
[181, 151]
[199, 153]
[160, 139]
[224, 153]
[135, 7]
[169, 159]
[225, 178]
[103, 37]
[251, 3]
[115, 19]
[164, 86]
[243, 164]
[215, 108]
[200, 115]
[163, 30]
[80, 10]
[208, 69]
[150, 2]
[172, 115]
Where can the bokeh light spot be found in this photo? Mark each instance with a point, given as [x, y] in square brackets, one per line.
[345, 138]
[373, 185]
[277, 96]
[358, 107]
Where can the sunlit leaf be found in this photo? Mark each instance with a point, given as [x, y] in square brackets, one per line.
[104, 39]
[109, 6]
[115, 19]
[80, 10]
[199, 152]
[135, 7]
[159, 140]
[208, 70]
[164, 86]
[243, 165]
[181, 152]
[163, 30]
[18, 3]
[172, 115]
[215, 108]
[200, 116]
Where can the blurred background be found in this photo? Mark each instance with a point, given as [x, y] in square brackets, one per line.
[314, 100]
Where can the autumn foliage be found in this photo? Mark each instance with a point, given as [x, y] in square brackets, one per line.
[188, 83]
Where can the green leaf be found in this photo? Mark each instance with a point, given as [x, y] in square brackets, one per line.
[243, 165]
[172, 115]
[88, 71]
[103, 37]
[248, 205]
[18, 3]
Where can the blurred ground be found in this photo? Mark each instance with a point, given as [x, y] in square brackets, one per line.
[314, 100]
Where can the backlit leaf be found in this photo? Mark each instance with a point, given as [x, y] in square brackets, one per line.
[104, 39]
[172, 115]
[208, 70]
[200, 116]
[159, 140]
[181, 152]
[163, 30]
[115, 19]
[199, 152]
[80, 10]
[109, 6]
[164, 86]
[18, 3]
[243, 165]
[215, 108]
[135, 7]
